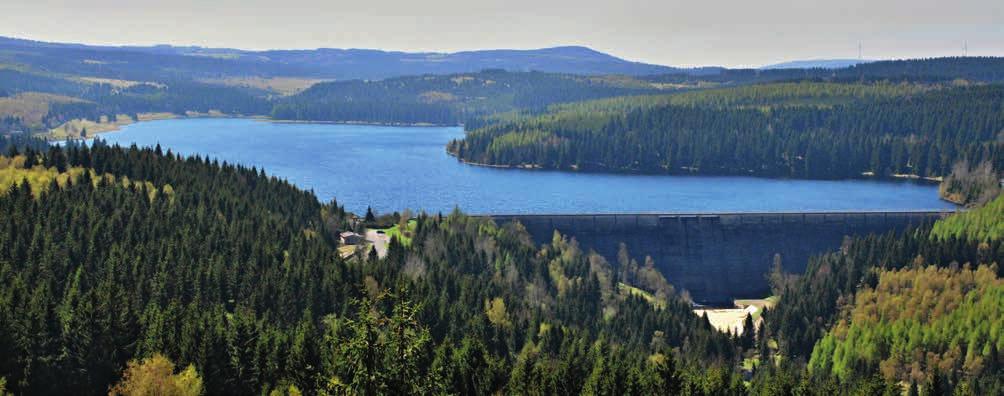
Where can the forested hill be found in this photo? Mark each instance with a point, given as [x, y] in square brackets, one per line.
[112, 255]
[448, 99]
[60, 89]
[979, 68]
[31, 101]
[796, 129]
[973, 69]
[466, 97]
[922, 309]
[164, 62]
[38, 102]
[345, 64]
[954, 315]
[109, 255]
[815, 64]
[63, 89]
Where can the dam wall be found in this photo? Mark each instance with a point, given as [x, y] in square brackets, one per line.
[722, 256]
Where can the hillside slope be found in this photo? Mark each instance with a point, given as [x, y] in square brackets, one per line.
[237, 273]
[806, 129]
[449, 99]
[165, 62]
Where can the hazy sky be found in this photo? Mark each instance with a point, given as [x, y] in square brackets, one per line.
[670, 32]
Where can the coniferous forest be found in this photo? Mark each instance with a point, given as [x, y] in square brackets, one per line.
[449, 99]
[236, 273]
[806, 130]
[113, 255]
[135, 271]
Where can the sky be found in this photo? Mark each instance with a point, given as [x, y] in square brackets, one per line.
[668, 32]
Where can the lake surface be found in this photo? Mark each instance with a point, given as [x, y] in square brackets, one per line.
[392, 168]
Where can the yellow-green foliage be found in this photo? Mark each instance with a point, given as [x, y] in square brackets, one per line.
[983, 224]
[39, 177]
[917, 321]
[567, 253]
[280, 85]
[395, 231]
[12, 172]
[156, 376]
[516, 139]
[496, 311]
[286, 390]
[627, 289]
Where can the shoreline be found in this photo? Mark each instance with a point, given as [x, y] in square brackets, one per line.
[118, 126]
[370, 123]
[868, 177]
[143, 117]
[104, 127]
[496, 166]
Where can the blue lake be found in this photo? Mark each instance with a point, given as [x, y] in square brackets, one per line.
[392, 168]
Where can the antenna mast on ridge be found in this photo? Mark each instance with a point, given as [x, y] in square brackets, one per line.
[859, 51]
[965, 48]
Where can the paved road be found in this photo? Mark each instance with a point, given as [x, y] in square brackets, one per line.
[379, 242]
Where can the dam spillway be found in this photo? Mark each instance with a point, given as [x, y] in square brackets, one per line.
[717, 257]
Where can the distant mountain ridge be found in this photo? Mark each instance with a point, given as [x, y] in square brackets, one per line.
[379, 64]
[817, 64]
[342, 64]
[70, 82]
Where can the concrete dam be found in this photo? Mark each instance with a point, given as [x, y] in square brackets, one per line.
[722, 256]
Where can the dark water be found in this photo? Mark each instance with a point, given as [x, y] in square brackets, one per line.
[392, 168]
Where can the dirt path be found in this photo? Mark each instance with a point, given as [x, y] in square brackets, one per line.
[379, 242]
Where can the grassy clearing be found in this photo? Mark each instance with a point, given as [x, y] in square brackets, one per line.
[280, 85]
[436, 97]
[11, 66]
[210, 113]
[74, 129]
[215, 55]
[79, 128]
[395, 231]
[31, 107]
[118, 83]
[626, 289]
[156, 116]
[632, 82]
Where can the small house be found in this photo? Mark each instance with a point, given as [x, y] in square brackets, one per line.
[350, 238]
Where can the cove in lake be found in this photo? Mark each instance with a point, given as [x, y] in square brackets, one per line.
[392, 168]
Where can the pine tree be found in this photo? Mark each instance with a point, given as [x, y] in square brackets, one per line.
[749, 333]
